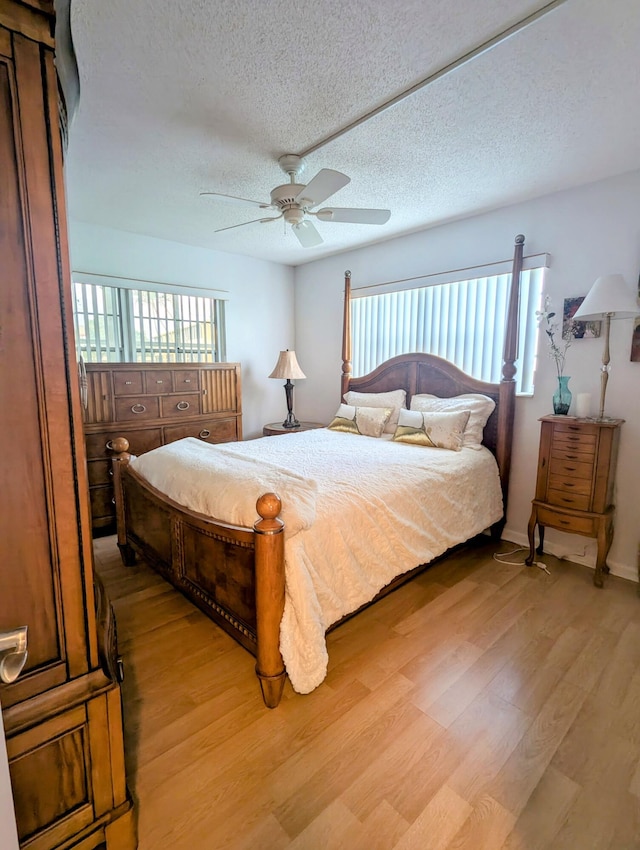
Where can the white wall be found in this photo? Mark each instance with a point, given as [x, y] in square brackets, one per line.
[259, 312]
[588, 231]
[8, 830]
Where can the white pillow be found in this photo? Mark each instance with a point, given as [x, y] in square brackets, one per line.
[395, 399]
[367, 421]
[480, 407]
[439, 430]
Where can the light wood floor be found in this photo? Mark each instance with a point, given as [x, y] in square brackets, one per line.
[482, 706]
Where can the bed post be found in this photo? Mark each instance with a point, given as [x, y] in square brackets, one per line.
[507, 383]
[269, 564]
[346, 334]
[120, 459]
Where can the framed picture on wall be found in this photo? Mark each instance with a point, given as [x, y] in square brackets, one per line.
[577, 329]
[635, 342]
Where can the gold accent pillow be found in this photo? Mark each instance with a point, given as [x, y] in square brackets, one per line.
[367, 421]
[395, 399]
[480, 407]
[437, 430]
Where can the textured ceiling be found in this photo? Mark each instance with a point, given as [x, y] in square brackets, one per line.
[205, 95]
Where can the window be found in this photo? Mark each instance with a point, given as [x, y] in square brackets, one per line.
[121, 324]
[462, 321]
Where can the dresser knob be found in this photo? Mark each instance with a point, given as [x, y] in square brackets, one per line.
[183, 405]
[138, 408]
[204, 433]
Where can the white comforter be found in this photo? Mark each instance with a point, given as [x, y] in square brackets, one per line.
[358, 512]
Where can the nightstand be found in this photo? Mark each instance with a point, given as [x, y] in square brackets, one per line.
[574, 487]
[275, 428]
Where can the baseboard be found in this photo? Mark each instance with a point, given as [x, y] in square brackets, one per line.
[617, 569]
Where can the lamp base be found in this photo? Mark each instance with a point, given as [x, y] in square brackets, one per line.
[599, 419]
[290, 422]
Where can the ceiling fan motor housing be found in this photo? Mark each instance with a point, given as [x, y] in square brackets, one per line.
[284, 198]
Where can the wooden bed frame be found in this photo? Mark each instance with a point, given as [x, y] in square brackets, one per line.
[237, 575]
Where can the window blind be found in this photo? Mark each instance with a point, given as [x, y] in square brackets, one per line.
[462, 321]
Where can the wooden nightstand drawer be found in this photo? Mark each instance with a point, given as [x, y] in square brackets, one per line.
[567, 484]
[572, 455]
[565, 499]
[571, 468]
[575, 442]
[566, 522]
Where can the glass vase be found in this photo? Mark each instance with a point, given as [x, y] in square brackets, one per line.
[562, 396]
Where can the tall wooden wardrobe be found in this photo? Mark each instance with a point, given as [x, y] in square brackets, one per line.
[62, 716]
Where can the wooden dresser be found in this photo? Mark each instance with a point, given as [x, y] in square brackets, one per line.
[62, 714]
[574, 488]
[150, 405]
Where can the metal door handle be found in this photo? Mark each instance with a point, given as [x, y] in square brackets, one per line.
[13, 654]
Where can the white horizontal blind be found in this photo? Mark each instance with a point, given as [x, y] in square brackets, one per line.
[464, 322]
[124, 324]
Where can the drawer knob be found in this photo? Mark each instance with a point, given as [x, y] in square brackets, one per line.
[183, 405]
[187, 380]
[128, 382]
[109, 445]
[569, 484]
[159, 382]
[138, 408]
[204, 433]
[570, 468]
[565, 522]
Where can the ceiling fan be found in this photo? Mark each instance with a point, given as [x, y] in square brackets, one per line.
[296, 201]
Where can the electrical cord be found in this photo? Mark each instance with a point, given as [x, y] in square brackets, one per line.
[498, 556]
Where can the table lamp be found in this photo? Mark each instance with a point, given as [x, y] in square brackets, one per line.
[609, 297]
[287, 367]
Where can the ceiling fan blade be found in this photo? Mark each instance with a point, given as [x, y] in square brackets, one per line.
[234, 200]
[354, 216]
[307, 234]
[243, 223]
[324, 184]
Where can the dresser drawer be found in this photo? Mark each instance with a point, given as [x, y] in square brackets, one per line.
[102, 502]
[214, 431]
[139, 442]
[565, 468]
[185, 404]
[127, 383]
[565, 499]
[185, 380]
[158, 381]
[138, 408]
[99, 472]
[564, 522]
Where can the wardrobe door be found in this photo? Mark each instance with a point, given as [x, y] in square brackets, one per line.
[43, 583]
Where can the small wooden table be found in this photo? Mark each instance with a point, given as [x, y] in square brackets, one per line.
[275, 428]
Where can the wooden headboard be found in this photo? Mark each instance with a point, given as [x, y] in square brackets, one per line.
[426, 373]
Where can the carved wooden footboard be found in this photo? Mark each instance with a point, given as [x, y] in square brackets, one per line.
[235, 575]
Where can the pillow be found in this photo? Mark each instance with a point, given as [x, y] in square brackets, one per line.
[480, 407]
[368, 421]
[395, 399]
[441, 430]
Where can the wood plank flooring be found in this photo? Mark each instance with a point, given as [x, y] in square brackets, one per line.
[482, 706]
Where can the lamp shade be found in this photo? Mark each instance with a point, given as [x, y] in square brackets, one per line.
[608, 295]
[287, 367]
